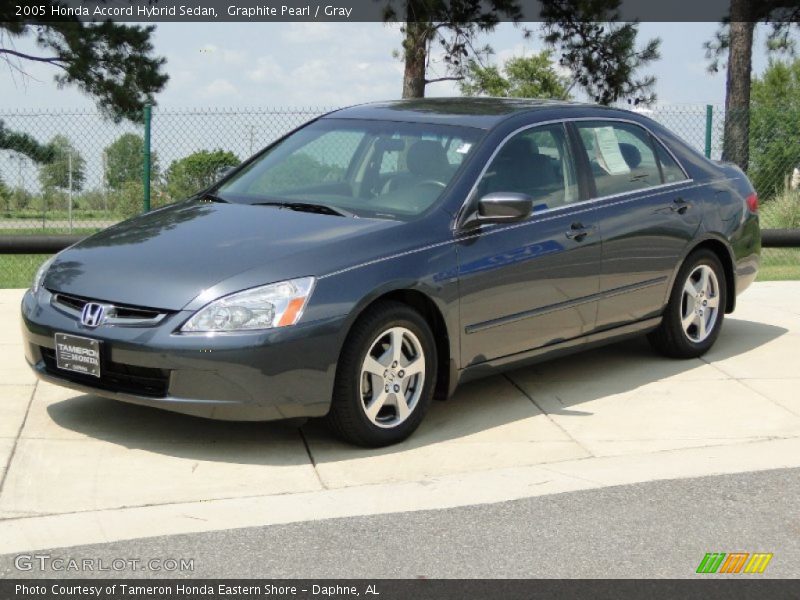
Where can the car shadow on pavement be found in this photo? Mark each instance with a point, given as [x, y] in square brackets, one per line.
[480, 406]
[629, 365]
[477, 407]
[183, 436]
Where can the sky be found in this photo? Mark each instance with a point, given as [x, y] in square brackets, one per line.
[335, 64]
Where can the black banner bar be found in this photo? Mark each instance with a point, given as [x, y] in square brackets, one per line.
[704, 587]
[155, 11]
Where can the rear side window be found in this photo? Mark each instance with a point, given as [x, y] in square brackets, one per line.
[623, 157]
[669, 168]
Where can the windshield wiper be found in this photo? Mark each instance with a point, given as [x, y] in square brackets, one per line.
[209, 197]
[321, 209]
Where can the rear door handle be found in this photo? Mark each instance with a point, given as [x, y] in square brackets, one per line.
[680, 206]
[579, 231]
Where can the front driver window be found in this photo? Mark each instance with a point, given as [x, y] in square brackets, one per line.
[372, 168]
[323, 160]
[536, 162]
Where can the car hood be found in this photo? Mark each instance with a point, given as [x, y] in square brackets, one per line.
[166, 258]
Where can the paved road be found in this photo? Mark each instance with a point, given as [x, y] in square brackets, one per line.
[657, 529]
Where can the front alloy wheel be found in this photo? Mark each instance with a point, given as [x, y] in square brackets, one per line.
[385, 376]
[392, 377]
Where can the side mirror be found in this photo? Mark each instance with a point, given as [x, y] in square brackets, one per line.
[502, 207]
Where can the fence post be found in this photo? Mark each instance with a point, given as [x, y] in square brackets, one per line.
[709, 121]
[146, 159]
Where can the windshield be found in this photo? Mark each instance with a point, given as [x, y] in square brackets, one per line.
[365, 168]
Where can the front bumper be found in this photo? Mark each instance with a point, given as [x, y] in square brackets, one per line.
[255, 376]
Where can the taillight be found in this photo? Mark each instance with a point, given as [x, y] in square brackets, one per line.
[752, 203]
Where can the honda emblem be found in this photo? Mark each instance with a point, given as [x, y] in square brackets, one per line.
[92, 314]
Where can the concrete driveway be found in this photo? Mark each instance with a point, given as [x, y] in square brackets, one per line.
[77, 469]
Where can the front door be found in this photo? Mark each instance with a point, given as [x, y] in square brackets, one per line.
[534, 283]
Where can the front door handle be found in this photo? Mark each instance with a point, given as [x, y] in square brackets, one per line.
[680, 206]
[579, 231]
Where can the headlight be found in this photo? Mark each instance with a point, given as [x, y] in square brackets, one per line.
[265, 307]
[38, 279]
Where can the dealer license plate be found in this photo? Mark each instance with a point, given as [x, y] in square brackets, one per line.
[78, 354]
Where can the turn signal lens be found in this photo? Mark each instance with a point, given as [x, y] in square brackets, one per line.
[752, 203]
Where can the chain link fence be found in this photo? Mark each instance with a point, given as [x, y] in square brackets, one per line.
[94, 176]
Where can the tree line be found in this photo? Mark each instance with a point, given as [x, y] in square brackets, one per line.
[64, 174]
[116, 64]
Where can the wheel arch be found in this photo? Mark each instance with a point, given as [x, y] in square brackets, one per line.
[723, 251]
[427, 307]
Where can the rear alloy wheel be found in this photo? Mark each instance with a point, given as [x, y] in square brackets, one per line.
[385, 377]
[700, 304]
[693, 318]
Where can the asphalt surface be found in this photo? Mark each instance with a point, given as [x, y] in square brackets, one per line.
[646, 530]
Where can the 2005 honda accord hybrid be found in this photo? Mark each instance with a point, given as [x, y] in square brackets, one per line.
[380, 255]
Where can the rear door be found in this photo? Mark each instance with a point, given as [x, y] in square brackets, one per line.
[533, 283]
[646, 212]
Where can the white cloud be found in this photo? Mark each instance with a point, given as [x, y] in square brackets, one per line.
[698, 67]
[562, 70]
[233, 57]
[514, 51]
[226, 56]
[310, 64]
[182, 77]
[267, 69]
[315, 72]
[219, 88]
[213, 63]
[305, 33]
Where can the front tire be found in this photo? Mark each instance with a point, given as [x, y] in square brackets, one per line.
[693, 317]
[385, 377]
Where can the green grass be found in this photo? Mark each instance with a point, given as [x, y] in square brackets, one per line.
[50, 231]
[783, 211]
[778, 273]
[779, 264]
[17, 270]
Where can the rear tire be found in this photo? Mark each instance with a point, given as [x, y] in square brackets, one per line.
[693, 317]
[385, 377]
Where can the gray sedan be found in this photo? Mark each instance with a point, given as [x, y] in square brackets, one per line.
[377, 257]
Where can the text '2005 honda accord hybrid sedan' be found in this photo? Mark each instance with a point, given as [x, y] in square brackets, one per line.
[380, 255]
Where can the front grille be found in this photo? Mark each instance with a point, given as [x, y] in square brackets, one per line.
[116, 314]
[71, 301]
[115, 377]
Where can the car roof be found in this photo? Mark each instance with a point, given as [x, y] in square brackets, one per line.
[480, 112]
